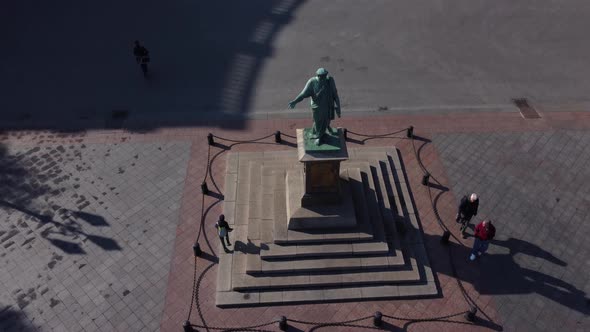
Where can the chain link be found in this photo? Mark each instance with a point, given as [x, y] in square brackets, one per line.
[241, 328]
[190, 310]
[198, 304]
[377, 136]
[427, 319]
[329, 323]
[249, 141]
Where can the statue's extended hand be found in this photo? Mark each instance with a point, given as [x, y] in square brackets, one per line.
[292, 104]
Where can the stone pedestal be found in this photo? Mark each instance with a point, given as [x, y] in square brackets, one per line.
[321, 168]
[319, 195]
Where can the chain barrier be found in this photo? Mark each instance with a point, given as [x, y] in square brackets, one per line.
[198, 304]
[314, 328]
[193, 296]
[378, 136]
[315, 325]
[442, 225]
[241, 142]
[428, 319]
[240, 328]
[329, 323]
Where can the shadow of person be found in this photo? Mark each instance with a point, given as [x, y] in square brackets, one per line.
[500, 274]
[247, 248]
[530, 249]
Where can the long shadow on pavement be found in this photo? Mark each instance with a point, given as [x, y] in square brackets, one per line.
[500, 274]
[77, 71]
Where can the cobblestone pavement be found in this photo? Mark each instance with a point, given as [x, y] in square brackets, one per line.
[534, 186]
[82, 263]
[86, 235]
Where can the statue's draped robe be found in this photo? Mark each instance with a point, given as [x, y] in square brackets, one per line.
[324, 96]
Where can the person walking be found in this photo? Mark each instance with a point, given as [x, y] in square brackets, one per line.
[467, 209]
[223, 230]
[142, 57]
[484, 233]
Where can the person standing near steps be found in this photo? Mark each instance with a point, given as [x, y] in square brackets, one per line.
[223, 230]
[467, 209]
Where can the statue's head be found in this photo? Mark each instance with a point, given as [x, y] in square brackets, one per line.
[322, 73]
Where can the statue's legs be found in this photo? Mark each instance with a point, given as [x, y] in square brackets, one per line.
[321, 121]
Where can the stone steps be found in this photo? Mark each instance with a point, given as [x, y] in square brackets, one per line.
[275, 251]
[413, 271]
[320, 295]
[256, 265]
[273, 265]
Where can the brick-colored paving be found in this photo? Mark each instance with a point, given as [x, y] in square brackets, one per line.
[534, 278]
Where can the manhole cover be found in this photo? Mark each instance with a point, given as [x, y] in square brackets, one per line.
[526, 110]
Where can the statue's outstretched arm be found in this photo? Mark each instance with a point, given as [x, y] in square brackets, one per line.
[306, 92]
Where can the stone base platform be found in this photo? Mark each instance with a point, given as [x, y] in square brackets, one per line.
[379, 256]
[320, 216]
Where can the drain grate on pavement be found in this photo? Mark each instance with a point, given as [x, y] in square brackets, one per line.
[526, 110]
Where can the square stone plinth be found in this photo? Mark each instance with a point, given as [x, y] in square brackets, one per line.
[321, 170]
[318, 216]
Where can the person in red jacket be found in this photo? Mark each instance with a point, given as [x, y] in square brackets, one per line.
[484, 232]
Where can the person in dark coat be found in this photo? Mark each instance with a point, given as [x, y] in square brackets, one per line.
[223, 230]
[142, 56]
[467, 209]
[484, 233]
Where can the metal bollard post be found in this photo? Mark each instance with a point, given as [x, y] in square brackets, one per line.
[210, 139]
[283, 326]
[345, 132]
[470, 315]
[278, 137]
[445, 238]
[186, 326]
[425, 179]
[204, 188]
[410, 132]
[197, 249]
[378, 318]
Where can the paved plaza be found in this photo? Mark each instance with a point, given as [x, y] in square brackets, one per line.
[98, 227]
[87, 233]
[101, 169]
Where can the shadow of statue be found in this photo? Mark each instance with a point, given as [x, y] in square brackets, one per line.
[15, 320]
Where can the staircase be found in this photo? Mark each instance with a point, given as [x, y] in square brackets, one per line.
[382, 257]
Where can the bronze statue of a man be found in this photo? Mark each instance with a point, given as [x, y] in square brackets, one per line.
[324, 102]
